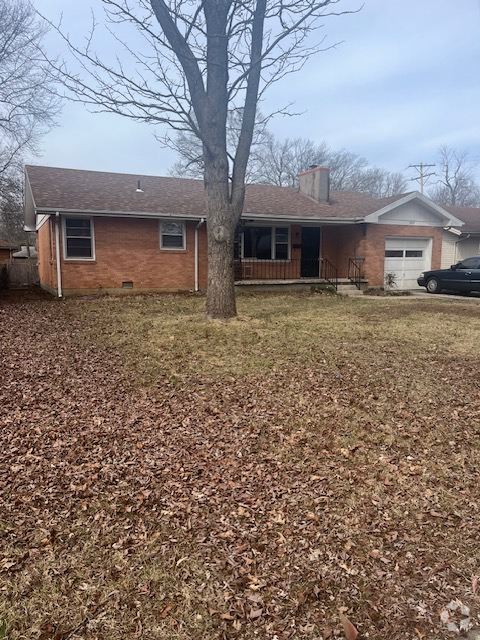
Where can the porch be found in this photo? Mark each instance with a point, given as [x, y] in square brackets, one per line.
[295, 273]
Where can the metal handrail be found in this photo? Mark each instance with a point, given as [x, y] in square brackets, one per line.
[354, 273]
[329, 273]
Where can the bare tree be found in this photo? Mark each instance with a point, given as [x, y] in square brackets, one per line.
[11, 210]
[28, 104]
[277, 162]
[378, 183]
[190, 149]
[203, 60]
[280, 162]
[456, 185]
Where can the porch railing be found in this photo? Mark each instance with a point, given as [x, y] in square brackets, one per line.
[295, 269]
[354, 273]
[330, 273]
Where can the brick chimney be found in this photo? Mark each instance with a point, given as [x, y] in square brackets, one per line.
[316, 183]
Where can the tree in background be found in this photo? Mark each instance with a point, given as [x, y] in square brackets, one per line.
[203, 61]
[11, 211]
[28, 105]
[456, 184]
[277, 162]
[189, 147]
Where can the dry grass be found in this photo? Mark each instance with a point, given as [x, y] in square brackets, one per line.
[170, 478]
[169, 335]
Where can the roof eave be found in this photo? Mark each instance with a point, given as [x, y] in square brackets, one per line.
[303, 219]
[198, 216]
[29, 206]
[117, 214]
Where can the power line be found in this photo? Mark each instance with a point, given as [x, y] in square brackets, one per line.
[421, 173]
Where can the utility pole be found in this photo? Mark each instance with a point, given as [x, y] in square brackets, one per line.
[421, 173]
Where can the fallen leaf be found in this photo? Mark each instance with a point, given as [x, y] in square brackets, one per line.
[166, 610]
[350, 631]
[474, 584]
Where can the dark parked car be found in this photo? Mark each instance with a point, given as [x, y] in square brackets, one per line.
[463, 277]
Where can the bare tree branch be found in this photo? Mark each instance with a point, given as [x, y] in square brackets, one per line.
[456, 184]
[28, 104]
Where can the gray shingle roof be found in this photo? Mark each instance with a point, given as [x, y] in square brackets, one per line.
[469, 215]
[98, 191]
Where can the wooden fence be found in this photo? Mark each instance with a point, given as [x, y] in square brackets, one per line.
[19, 274]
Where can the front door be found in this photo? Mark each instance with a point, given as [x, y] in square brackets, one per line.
[310, 266]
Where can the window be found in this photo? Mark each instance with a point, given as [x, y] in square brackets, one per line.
[400, 253]
[281, 243]
[172, 235]
[79, 238]
[469, 263]
[266, 243]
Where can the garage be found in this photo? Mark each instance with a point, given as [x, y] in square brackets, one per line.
[406, 258]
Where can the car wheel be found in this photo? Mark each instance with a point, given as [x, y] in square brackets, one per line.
[433, 285]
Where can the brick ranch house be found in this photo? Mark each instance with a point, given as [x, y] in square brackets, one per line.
[110, 232]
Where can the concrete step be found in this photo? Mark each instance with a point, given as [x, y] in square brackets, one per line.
[344, 287]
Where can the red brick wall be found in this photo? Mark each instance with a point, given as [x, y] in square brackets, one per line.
[372, 247]
[46, 255]
[339, 244]
[127, 250]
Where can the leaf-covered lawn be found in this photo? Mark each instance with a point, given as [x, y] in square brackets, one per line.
[312, 463]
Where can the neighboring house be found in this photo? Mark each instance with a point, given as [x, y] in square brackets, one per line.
[25, 252]
[459, 244]
[6, 250]
[108, 232]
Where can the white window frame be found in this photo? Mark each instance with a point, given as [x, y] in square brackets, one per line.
[184, 235]
[273, 242]
[92, 239]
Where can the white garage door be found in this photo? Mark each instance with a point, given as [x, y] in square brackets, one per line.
[406, 258]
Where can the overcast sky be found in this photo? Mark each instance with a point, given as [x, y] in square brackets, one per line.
[404, 80]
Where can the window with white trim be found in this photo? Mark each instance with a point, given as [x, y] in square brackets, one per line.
[172, 235]
[78, 238]
[266, 243]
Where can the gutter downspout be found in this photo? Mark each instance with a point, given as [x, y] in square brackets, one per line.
[202, 220]
[57, 255]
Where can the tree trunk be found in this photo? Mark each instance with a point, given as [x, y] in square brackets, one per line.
[221, 225]
[221, 290]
